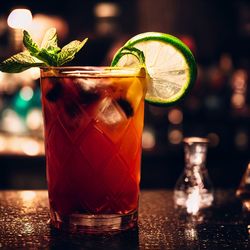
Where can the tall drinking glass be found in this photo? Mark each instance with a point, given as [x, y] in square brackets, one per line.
[93, 119]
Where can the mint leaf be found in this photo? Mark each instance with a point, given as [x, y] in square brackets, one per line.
[68, 51]
[29, 43]
[35, 51]
[50, 41]
[19, 63]
[49, 58]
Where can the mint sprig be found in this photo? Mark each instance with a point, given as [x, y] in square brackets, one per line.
[48, 54]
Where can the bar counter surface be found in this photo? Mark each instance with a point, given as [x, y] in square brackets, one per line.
[24, 224]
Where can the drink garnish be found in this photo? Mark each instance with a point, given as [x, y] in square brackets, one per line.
[137, 56]
[48, 54]
[170, 65]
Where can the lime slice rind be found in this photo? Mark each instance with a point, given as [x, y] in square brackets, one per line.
[170, 65]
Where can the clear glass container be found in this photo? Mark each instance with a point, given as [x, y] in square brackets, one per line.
[193, 190]
[93, 118]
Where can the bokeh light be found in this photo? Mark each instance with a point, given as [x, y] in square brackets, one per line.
[175, 116]
[20, 19]
[26, 93]
[34, 119]
[106, 10]
[175, 136]
[148, 139]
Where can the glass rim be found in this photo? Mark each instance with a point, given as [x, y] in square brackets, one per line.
[92, 71]
[191, 140]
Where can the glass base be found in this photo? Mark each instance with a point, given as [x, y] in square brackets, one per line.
[95, 223]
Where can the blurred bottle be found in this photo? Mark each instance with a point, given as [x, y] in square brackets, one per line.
[243, 192]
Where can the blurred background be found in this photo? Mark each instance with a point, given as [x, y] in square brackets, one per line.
[218, 33]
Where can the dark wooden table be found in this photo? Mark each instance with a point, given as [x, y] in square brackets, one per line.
[24, 216]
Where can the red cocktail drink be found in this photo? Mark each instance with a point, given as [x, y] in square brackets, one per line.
[93, 121]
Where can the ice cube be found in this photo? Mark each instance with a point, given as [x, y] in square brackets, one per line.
[87, 89]
[90, 84]
[110, 112]
[86, 84]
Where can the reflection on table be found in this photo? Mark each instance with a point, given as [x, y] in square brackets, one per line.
[24, 224]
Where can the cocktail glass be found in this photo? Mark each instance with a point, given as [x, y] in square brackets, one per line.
[93, 120]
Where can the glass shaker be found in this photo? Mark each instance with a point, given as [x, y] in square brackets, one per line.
[193, 190]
